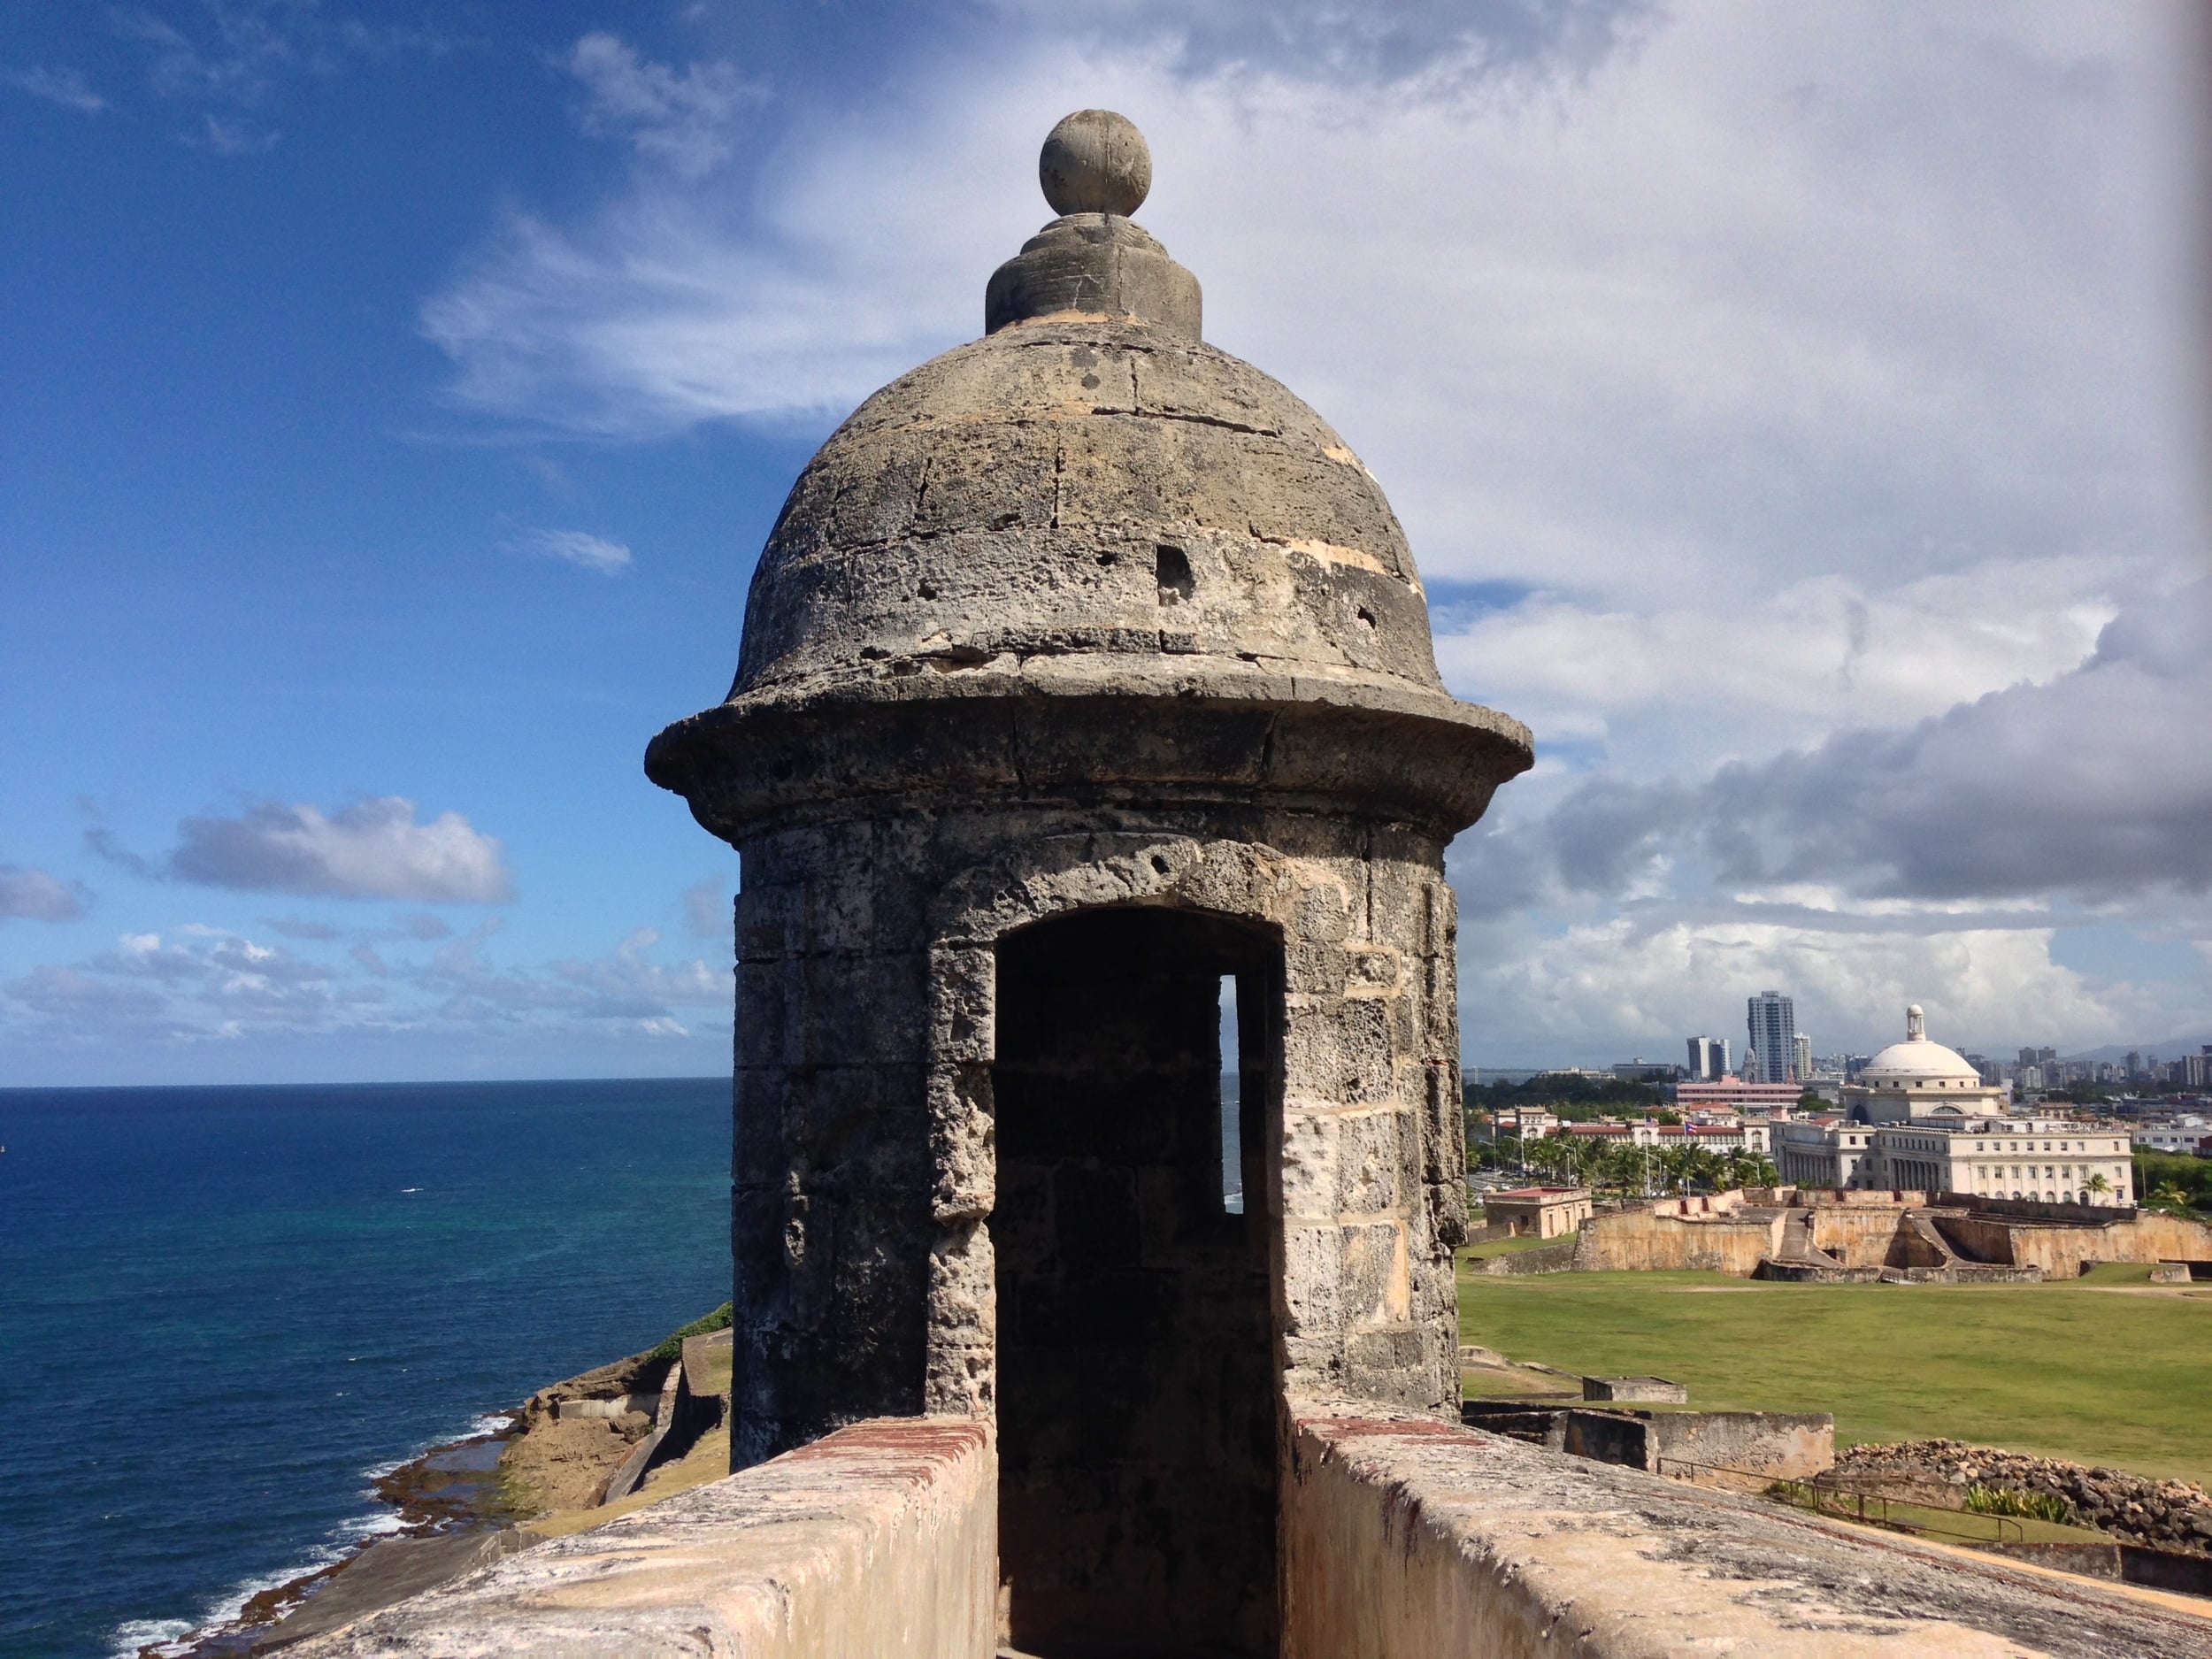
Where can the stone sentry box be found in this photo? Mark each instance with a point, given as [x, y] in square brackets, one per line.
[1086, 667]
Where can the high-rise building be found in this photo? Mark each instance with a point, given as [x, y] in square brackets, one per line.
[1804, 1057]
[2196, 1069]
[1708, 1058]
[1773, 1019]
[2134, 1064]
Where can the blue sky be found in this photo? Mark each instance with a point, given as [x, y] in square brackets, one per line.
[1791, 419]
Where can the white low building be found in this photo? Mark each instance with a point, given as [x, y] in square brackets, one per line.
[2056, 1161]
[2052, 1161]
[2187, 1135]
[1823, 1151]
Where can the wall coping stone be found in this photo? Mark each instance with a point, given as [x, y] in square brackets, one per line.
[1411, 1536]
[880, 1538]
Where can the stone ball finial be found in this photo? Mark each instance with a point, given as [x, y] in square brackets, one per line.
[1095, 161]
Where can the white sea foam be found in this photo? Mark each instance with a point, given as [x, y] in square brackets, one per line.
[380, 1525]
[479, 1427]
[225, 1609]
[135, 1634]
[347, 1538]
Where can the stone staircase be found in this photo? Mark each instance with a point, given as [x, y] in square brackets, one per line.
[1797, 1241]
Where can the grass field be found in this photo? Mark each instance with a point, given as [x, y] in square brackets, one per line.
[2102, 1370]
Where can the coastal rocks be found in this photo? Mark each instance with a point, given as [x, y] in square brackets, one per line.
[577, 1433]
[2163, 1514]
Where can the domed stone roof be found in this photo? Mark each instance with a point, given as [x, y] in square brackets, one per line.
[1917, 1062]
[1077, 486]
[1091, 503]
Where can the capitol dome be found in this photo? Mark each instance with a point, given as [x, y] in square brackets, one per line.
[1917, 1063]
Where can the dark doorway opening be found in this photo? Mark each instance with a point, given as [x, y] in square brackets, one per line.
[1137, 1471]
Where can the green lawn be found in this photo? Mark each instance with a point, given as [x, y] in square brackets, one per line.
[2067, 1370]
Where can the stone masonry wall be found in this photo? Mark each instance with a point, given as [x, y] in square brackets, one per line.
[1857, 1237]
[2063, 1252]
[864, 1161]
[1632, 1241]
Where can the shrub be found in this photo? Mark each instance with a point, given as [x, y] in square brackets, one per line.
[718, 1320]
[2034, 1506]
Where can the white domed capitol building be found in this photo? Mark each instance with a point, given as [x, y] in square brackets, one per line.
[1915, 1077]
[1919, 1118]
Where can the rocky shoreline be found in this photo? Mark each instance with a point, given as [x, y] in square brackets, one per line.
[2171, 1515]
[468, 1501]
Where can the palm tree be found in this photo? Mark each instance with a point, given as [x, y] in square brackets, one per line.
[2167, 1196]
[1623, 1166]
[2097, 1184]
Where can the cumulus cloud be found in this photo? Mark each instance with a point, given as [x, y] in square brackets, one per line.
[682, 120]
[1765, 295]
[2088, 785]
[2083, 786]
[372, 850]
[1783, 408]
[578, 548]
[27, 894]
[1687, 684]
[64, 86]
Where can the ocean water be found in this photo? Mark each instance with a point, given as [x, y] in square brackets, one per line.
[224, 1310]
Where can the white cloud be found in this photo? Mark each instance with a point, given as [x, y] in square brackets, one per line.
[229, 135]
[65, 87]
[681, 121]
[28, 895]
[373, 848]
[200, 984]
[578, 548]
[706, 907]
[1794, 390]
[1682, 686]
[1833, 290]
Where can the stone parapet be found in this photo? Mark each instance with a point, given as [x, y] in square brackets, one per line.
[1405, 1536]
[881, 1539]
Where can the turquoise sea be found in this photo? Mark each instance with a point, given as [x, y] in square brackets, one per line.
[223, 1311]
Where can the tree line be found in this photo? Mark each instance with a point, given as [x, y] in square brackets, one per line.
[1614, 1166]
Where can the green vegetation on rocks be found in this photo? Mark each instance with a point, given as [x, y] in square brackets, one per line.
[718, 1320]
[2035, 1506]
